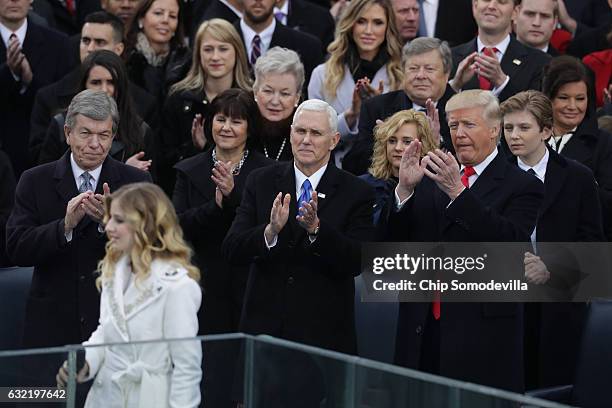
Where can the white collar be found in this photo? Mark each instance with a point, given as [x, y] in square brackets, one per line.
[417, 107]
[559, 142]
[20, 33]
[501, 47]
[77, 172]
[480, 167]
[539, 168]
[314, 179]
[234, 9]
[265, 35]
[284, 9]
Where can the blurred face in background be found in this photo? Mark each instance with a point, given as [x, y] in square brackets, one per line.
[100, 79]
[160, 22]
[277, 96]
[13, 11]
[124, 9]
[535, 22]
[369, 31]
[217, 58]
[406, 18]
[96, 37]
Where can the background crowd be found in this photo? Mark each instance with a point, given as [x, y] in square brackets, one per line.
[206, 93]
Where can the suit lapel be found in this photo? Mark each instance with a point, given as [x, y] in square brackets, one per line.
[554, 180]
[32, 45]
[327, 186]
[492, 176]
[285, 183]
[513, 58]
[66, 186]
[201, 179]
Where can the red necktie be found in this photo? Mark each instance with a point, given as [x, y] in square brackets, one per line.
[465, 177]
[485, 84]
[467, 172]
[70, 7]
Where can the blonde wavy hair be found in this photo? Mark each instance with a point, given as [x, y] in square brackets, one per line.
[338, 49]
[157, 233]
[223, 31]
[381, 167]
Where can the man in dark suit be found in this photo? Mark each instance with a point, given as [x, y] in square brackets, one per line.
[302, 15]
[427, 65]
[31, 56]
[56, 224]
[68, 15]
[534, 23]
[449, 20]
[495, 60]
[299, 288]
[101, 31]
[260, 31]
[483, 198]
[229, 10]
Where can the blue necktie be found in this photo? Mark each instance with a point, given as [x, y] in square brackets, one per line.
[86, 184]
[422, 26]
[306, 193]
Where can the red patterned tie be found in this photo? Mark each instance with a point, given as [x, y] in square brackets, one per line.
[467, 172]
[485, 84]
[70, 6]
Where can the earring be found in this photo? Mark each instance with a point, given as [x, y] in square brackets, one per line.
[140, 25]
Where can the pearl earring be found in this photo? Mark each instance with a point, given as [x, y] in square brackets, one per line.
[140, 25]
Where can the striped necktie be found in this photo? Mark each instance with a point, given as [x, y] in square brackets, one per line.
[255, 49]
[86, 183]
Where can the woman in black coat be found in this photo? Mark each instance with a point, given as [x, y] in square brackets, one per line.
[570, 212]
[207, 192]
[134, 142]
[219, 63]
[156, 55]
[575, 132]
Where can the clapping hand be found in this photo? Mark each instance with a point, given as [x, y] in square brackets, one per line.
[135, 161]
[444, 171]
[488, 66]
[197, 132]
[279, 214]
[465, 71]
[410, 171]
[308, 218]
[433, 117]
[18, 62]
[224, 179]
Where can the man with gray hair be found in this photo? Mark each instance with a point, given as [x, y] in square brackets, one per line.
[56, 224]
[480, 197]
[427, 65]
[295, 220]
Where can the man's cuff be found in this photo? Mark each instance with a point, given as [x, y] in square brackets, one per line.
[271, 244]
[498, 90]
[458, 195]
[399, 204]
[68, 236]
[101, 228]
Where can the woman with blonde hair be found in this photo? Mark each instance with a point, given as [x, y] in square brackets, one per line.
[365, 60]
[391, 138]
[219, 63]
[149, 292]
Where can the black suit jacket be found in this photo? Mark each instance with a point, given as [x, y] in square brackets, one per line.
[55, 98]
[593, 148]
[216, 9]
[570, 212]
[63, 304]
[47, 53]
[7, 197]
[312, 19]
[479, 342]
[357, 160]
[307, 46]
[194, 200]
[447, 28]
[521, 63]
[67, 23]
[299, 290]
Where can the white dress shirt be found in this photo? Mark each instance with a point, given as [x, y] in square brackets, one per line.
[559, 142]
[429, 8]
[265, 36]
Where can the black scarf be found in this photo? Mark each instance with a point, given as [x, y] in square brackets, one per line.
[359, 67]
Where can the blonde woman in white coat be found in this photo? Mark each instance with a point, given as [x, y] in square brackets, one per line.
[365, 60]
[149, 292]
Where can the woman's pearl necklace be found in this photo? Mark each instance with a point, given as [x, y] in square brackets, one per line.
[280, 151]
